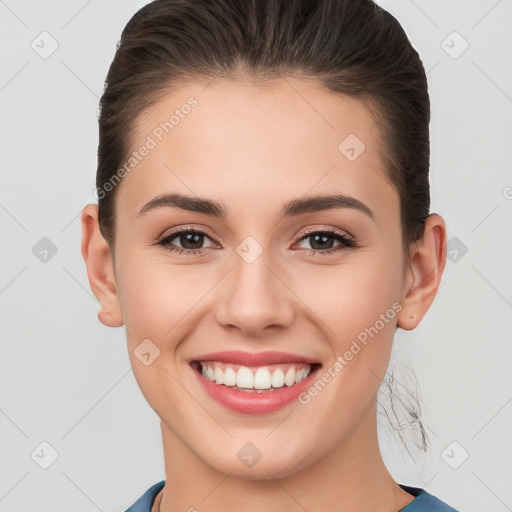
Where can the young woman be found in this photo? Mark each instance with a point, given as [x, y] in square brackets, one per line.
[262, 230]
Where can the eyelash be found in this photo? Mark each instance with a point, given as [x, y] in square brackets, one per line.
[347, 243]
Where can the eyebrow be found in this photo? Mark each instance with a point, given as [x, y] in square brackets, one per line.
[294, 207]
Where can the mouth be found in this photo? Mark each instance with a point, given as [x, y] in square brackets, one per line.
[254, 383]
[269, 378]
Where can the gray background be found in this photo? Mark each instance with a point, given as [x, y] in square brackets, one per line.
[65, 379]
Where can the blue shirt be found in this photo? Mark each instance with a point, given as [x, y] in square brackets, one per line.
[423, 501]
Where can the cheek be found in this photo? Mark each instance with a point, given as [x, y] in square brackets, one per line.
[351, 296]
[157, 297]
[159, 305]
[358, 305]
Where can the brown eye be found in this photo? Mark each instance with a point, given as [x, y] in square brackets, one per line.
[191, 241]
[322, 242]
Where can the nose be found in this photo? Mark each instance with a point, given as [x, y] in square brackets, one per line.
[255, 299]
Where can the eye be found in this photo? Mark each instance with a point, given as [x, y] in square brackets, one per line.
[190, 238]
[321, 242]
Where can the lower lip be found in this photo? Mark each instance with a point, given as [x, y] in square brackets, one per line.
[253, 402]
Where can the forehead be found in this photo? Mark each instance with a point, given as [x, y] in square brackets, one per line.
[243, 142]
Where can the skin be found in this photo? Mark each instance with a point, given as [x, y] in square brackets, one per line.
[253, 147]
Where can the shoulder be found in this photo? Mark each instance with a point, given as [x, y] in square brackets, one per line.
[424, 501]
[145, 502]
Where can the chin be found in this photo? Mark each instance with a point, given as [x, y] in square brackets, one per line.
[267, 467]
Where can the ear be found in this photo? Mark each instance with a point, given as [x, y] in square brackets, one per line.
[100, 268]
[423, 276]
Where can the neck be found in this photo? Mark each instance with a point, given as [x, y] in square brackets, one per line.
[350, 478]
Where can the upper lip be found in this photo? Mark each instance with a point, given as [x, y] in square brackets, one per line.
[253, 359]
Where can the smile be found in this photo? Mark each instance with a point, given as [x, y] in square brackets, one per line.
[254, 383]
[254, 379]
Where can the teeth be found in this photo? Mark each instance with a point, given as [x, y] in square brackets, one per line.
[219, 376]
[289, 378]
[244, 378]
[229, 377]
[278, 378]
[261, 378]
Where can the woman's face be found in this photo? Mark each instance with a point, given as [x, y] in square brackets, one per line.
[255, 280]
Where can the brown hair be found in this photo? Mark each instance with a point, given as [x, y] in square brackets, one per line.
[350, 46]
[353, 47]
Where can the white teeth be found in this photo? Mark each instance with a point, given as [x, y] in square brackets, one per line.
[229, 377]
[262, 378]
[289, 378]
[278, 378]
[300, 375]
[244, 378]
[219, 376]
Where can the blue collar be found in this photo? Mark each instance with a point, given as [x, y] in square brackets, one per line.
[422, 502]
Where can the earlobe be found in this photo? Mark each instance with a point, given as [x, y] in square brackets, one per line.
[427, 262]
[100, 270]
